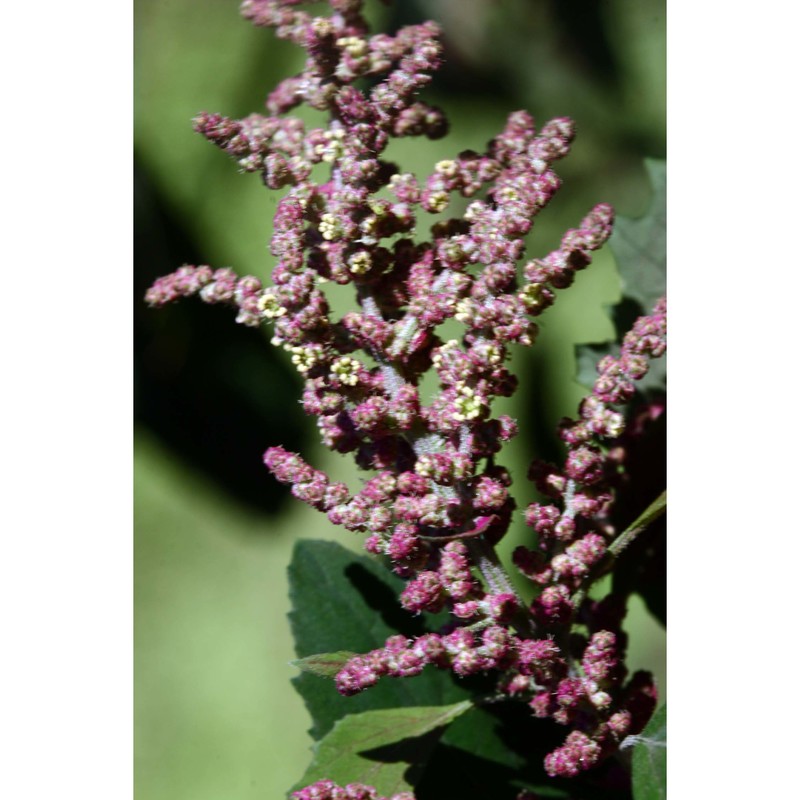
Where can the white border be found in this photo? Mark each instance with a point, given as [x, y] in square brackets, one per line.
[66, 326]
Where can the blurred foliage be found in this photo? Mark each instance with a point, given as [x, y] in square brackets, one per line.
[214, 712]
[212, 696]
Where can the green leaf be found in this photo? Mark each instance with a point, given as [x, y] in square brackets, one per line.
[640, 249]
[326, 665]
[498, 749]
[587, 357]
[640, 245]
[649, 768]
[345, 602]
[641, 566]
[380, 748]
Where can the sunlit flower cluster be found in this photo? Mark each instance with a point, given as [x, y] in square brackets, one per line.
[438, 502]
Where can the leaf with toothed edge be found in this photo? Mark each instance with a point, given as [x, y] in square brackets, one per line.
[640, 250]
[343, 602]
[640, 245]
[383, 748]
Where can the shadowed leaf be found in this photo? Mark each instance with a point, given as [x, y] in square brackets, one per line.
[343, 602]
[640, 245]
[378, 747]
[640, 249]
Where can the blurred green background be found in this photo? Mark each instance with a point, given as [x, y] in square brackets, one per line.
[215, 713]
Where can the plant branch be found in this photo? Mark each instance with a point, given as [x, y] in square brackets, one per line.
[492, 571]
[623, 541]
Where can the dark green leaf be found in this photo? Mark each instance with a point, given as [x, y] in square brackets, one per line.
[640, 249]
[380, 748]
[641, 566]
[471, 761]
[640, 245]
[325, 664]
[349, 601]
[345, 602]
[650, 759]
[587, 357]
[496, 750]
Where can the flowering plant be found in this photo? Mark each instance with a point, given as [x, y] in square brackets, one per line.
[505, 692]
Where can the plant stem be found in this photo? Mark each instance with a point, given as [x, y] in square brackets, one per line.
[624, 540]
[648, 516]
[483, 554]
[496, 578]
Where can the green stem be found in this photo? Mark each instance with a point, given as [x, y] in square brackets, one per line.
[488, 564]
[483, 553]
[644, 520]
[624, 540]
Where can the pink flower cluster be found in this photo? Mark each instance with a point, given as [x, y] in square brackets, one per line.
[213, 286]
[587, 693]
[438, 502]
[573, 531]
[328, 790]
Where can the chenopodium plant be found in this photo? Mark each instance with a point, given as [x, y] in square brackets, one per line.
[438, 502]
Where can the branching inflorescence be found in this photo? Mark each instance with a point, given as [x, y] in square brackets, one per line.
[438, 502]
